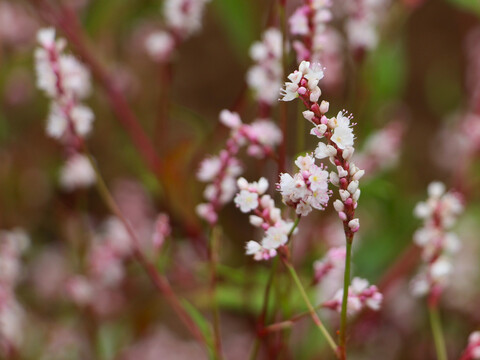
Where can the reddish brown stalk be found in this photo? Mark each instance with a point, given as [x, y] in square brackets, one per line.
[66, 20]
[159, 280]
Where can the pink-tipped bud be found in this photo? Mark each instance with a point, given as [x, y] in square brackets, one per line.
[354, 225]
[342, 216]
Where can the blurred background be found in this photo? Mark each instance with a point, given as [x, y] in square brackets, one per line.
[423, 76]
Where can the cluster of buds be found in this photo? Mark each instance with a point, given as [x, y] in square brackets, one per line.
[221, 171]
[307, 189]
[338, 133]
[265, 77]
[12, 245]
[382, 149]
[183, 18]
[360, 295]
[364, 17]
[472, 352]
[66, 82]
[252, 198]
[310, 22]
[439, 214]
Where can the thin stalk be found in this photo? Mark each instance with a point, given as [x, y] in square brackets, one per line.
[311, 309]
[346, 284]
[159, 280]
[212, 257]
[437, 332]
[263, 314]
[266, 299]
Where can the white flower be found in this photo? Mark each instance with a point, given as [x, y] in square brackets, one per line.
[253, 247]
[82, 118]
[77, 173]
[159, 45]
[274, 238]
[230, 119]
[184, 15]
[209, 169]
[289, 93]
[56, 122]
[343, 136]
[265, 132]
[436, 189]
[46, 37]
[304, 162]
[246, 200]
[75, 77]
[299, 22]
[287, 184]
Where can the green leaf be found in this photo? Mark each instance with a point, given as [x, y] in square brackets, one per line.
[199, 320]
[472, 6]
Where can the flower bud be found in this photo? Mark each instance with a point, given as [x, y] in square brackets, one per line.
[324, 106]
[344, 194]
[354, 225]
[338, 205]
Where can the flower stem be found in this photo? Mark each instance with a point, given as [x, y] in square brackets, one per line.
[437, 332]
[159, 280]
[346, 284]
[311, 309]
[266, 298]
[212, 257]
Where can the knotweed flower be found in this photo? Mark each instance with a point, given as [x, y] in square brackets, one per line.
[221, 171]
[338, 133]
[307, 189]
[252, 198]
[360, 295]
[364, 18]
[182, 19]
[472, 352]
[265, 76]
[77, 173]
[66, 82]
[438, 243]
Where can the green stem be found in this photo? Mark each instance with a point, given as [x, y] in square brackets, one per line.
[311, 309]
[212, 257]
[266, 297]
[346, 285]
[437, 333]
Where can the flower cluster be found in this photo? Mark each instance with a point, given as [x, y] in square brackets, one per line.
[360, 295]
[183, 18]
[66, 82]
[334, 259]
[472, 352]
[382, 149]
[439, 214]
[12, 245]
[363, 19]
[252, 198]
[221, 171]
[310, 21]
[338, 133]
[265, 77]
[307, 189]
